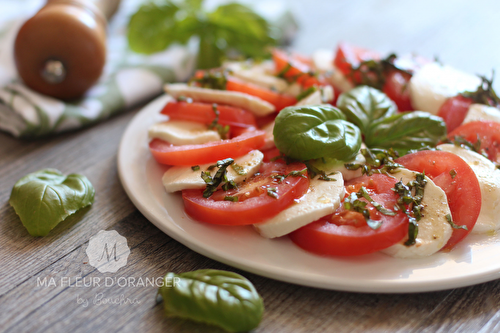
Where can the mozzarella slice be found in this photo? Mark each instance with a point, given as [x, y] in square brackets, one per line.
[269, 140]
[339, 81]
[489, 183]
[179, 132]
[433, 228]
[482, 112]
[257, 75]
[251, 103]
[323, 95]
[330, 165]
[179, 178]
[322, 60]
[322, 198]
[432, 84]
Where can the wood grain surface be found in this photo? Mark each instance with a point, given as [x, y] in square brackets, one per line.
[462, 33]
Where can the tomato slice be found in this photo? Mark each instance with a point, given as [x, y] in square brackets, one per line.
[488, 132]
[346, 233]
[349, 56]
[279, 101]
[462, 190]
[396, 87]
[299, 68]
[254, 203]
[166, 153]
[454, 111]
[204, 113]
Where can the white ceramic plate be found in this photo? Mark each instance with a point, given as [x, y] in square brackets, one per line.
[473, 261]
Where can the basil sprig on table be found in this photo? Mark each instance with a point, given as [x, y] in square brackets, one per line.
[44, 198]
[216, 297]
[230, 27]
[315, 131]
[382, 127]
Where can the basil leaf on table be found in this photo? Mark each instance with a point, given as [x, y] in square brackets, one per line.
[406, 131]
[44, 198]
[363, 105]
[315, 131]
[216, 297]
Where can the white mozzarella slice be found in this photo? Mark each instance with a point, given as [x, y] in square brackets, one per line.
[433, 228]
[322, 198]
[251, 103]
[335, 166]
[179, 178]
[179, 132]
[257, 75]
[482, 112]
[432, 84]
[322, 60]
[489, 183]
[269, 140]
[321, 96]
[339, 81]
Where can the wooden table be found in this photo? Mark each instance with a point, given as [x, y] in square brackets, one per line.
[462, 33]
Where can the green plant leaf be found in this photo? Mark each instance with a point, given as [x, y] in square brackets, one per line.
[310, 132]
[221, 298]
[44, 198]
[152, 28]
[406, 131]
[363, 105]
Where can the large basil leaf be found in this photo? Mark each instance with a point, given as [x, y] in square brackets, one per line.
[215, 297]
[363, 105]
[309, 132]
[406, 131]
[44, 198]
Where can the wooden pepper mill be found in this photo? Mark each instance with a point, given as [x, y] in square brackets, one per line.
[61, 50]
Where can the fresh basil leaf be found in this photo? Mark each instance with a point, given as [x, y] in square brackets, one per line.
[215, 297]
[363, 105]
[44, 198]
[406, 131]
[151, 28]
[315, 131]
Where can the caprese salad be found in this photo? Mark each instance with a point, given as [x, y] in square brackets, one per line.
[346, 153]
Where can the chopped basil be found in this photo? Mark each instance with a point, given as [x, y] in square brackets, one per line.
[183, 98]
[222, 130]
[306, 92]
[411, 203]
[353, 203]
[271, 191]
[300, 173]
[195, 167]
[453, 173]
[461, 142]
[213, 79]
[313, 172]
[376, 161]
[285, 70]
[231, 198]
[484, 94]
[219, 177]
[238, 169]
[453, 225]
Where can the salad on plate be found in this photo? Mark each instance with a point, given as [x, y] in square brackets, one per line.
[346, 154]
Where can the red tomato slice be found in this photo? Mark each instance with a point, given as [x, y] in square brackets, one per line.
[462, 191]
[454, 110]
[299, 68]
[271, 154]
[396, 88]
[166, 153]
[349, 56]
[204, 113]
[346, 233]
[486, 131]
[254, 203]
[280, 101]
